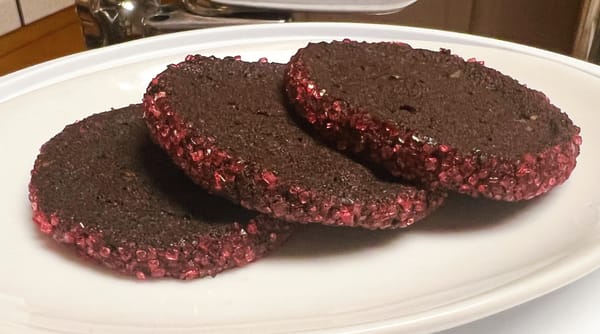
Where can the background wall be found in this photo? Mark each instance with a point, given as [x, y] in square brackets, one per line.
[15, 13]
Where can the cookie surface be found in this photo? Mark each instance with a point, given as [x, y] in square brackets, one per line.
[434, 117]
[103, 188]
[225, 122]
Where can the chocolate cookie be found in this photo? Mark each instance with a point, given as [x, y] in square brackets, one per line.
[434, 117]
[104, 188]
[225, 123]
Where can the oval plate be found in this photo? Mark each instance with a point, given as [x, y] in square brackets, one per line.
[470, 259]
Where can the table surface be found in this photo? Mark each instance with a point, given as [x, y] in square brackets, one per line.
[572, 309]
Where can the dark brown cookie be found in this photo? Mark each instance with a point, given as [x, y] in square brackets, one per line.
[104, 188]
[434, 117]
[225, 123]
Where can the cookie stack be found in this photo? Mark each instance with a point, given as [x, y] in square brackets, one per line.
[225, 158]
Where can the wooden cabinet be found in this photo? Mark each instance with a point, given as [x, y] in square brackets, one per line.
[548, 24]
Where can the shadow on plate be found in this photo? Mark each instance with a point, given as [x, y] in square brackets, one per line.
[318, 241]
[462, 213]
[459, 214]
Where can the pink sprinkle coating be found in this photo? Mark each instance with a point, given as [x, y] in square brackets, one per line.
[93, 190]
[405, 153]
[257, 188]
[206, 256]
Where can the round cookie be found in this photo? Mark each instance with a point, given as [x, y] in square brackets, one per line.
[434, 117]
[225, 123]
[104, 189]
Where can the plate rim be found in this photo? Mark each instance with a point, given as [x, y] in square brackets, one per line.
[588, 258]
[23, 81]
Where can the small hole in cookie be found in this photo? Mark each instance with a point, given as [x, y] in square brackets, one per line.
[407, 108]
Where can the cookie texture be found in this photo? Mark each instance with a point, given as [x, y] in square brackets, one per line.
[104, 189]
[434, 117]
[226, 123]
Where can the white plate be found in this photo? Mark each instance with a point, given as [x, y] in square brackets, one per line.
[471, 259]
[364, 6]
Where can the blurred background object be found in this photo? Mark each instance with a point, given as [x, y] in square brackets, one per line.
[44, 30]
[587, 39]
